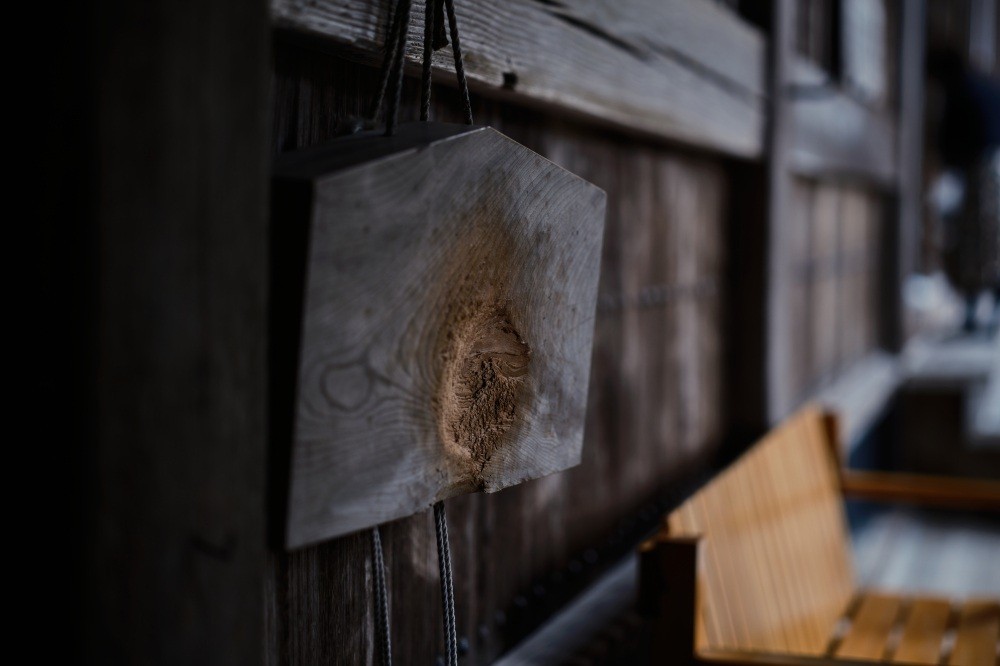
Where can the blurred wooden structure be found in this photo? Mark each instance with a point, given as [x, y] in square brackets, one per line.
[762, 168]
[756, 568]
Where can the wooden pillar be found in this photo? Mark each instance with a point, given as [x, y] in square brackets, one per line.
[172, 478]
[777, 385]
[900, 240]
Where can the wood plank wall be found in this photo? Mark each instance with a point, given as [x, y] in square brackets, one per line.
[835, 230]
[655, 407]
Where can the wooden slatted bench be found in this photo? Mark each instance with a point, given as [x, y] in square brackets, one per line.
[756, 567]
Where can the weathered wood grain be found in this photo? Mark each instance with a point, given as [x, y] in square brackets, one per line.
[687, 71]
[450, 288]
[519, 553]
[833, 134]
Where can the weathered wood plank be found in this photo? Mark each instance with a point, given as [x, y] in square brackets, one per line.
[450, 285]
[835, 135]
[687, 71]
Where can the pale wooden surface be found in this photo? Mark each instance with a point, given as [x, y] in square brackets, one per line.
[977, 634]
[689, 70]
[870, 627]
[923, 632]
[448, 321]
[775, 571]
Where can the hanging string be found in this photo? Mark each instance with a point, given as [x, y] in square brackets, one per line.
[394, 60]
[429, 26]
[383, 637]
[388, 59]
[456, 46]
[397, 66]
[447, 583]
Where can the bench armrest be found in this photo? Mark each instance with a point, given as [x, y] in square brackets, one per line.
[923, 490]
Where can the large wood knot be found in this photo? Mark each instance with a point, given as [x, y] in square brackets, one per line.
[485, 363]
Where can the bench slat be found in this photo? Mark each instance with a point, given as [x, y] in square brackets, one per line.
[977, 634]
[870, 627]
[923, 632]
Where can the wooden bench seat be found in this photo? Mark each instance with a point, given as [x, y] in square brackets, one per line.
[756, 567]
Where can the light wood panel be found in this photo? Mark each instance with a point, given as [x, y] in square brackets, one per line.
[775, 571]
[689, 71]
[871, 625]
[923, 632]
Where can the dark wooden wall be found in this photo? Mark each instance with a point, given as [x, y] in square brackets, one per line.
[655, 412]
[154, 294]
[156, 173]
[835, 232]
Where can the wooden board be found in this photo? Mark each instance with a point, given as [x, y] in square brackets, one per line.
[868, 635]
[688, 71]
[923, 632]
[450, 287]
[977, 634]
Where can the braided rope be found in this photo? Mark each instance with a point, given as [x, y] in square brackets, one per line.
[447, 583]
[463, 84]
[381, 600]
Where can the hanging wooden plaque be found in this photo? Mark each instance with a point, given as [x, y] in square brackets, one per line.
[434, 298]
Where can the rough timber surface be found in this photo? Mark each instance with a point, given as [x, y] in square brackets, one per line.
[450, 291]
[685, 70]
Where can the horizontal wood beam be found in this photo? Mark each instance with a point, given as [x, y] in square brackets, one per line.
[834, 135]
[687, 71]
[919, 489]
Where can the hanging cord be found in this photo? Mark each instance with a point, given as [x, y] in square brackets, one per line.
[456, 46]
[394, 60]
[429, 26]
[381, 600]
[447, 583]
[388, 59]
[403, 9]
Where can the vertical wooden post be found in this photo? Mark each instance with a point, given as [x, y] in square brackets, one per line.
[173, 484]
[778, 387]
[668, 571]
[899, 244]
